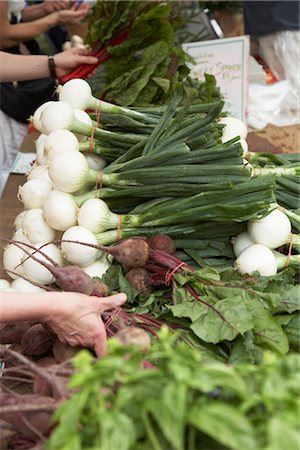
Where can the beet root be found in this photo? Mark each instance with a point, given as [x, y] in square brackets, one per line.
[41, 385]
[134, 336]
[99, 289]
[74, 279]
[63, 352]
[37, 340]
[162, 242]
[139, 279]
[11, 333]
[132, 252]
[28, 413]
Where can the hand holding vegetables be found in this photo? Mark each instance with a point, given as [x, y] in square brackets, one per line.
[74, 317]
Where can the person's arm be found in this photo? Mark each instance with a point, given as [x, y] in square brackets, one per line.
[13, 34]
[31, 67]
[34, 12]
[74, 318]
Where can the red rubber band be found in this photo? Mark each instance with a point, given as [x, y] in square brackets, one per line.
[120, 217]
[98, 117]
[115, 312]
[91, 139]
[289, 253]
[169, 275]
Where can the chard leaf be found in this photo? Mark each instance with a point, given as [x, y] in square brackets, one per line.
[138, 78]
[244, 350]
[268, 333]
[164, 83]
[290, 300]
[214, 322]
[224, 423]
[292, 330]
[116, 281]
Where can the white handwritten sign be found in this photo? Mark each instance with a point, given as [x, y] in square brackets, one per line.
[228, 60]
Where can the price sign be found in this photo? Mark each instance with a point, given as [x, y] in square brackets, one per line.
[228, 60]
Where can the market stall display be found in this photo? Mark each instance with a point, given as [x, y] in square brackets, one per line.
[166, 203]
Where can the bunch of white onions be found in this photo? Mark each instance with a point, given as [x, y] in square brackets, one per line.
[48, 211]
[254, 248]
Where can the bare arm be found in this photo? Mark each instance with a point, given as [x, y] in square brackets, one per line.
[31, 67]
[13, 34]
[74, 318]
[33, 12]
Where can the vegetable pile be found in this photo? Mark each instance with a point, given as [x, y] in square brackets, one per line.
[166, 204]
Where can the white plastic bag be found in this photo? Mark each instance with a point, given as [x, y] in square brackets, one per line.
[265, 102]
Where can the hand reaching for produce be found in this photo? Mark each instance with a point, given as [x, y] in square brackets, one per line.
[75, 318]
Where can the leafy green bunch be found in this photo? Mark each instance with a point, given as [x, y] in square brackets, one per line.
[177, 401]
[231, 316]
[145, 67]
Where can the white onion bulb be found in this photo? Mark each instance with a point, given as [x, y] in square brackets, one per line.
[60, 210]
[33, 193]
[4, 284]
[60, 141]
[256, 258]
[234, 127]
[36, 271]
[95, 215]
[36, 228]
[97, 268]
[37, 117]
[76, 92]
[39, 172]
[240, 242]
[68, 171]
[274, 230]
[22, 285]
[12, 257]
[18, 223]
[77, 253]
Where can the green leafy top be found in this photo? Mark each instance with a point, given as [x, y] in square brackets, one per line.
[145, 67]
[177, 401]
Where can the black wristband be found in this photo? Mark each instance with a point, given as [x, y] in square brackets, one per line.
[51, 65]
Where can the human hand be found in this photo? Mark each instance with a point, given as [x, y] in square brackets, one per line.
[76, 319]
[72, 15]
[70, 59]
[51, 6]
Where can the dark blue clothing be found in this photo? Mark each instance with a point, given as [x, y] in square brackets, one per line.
[266, 17]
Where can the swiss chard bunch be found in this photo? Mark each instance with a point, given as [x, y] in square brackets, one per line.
[177, 401]
[144, 66]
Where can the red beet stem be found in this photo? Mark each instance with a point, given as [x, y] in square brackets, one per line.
[170, 261]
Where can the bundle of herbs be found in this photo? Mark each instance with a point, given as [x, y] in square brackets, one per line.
[179, 399]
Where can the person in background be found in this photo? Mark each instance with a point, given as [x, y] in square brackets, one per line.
[30, 67]
[75, 318]
[20, 24]
[275, 37]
